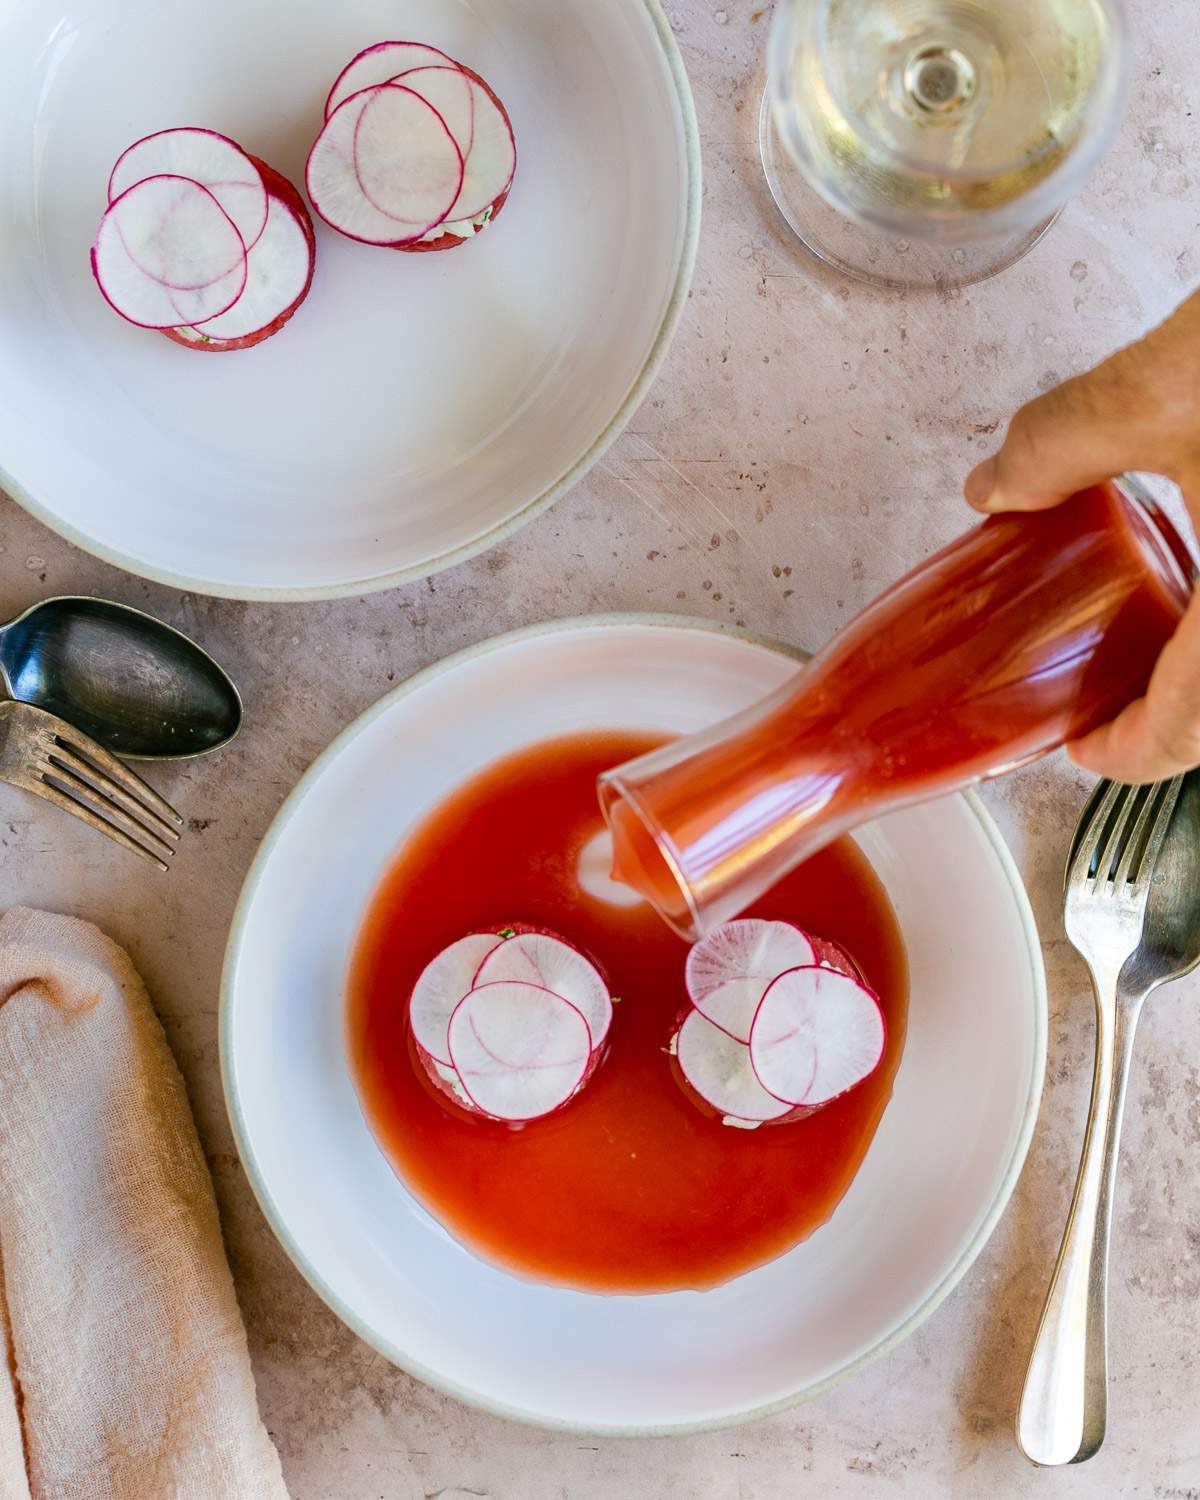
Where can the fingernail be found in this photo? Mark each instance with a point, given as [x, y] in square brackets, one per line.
[981, 481]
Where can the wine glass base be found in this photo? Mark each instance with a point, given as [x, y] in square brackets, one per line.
[877, 255]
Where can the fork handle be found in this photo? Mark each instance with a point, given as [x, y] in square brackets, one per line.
[1064, 1404]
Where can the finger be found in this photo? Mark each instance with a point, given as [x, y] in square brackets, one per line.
[1084, 431]
[1158, 735]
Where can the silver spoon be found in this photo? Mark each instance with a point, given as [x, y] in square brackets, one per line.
[142, 689]
[1133, 911]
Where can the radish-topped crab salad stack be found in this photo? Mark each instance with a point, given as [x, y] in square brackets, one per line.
[206, 243]
[417, 152]
[203, 241]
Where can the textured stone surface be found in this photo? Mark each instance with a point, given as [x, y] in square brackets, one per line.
[830, 426]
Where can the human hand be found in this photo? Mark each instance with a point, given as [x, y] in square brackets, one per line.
[1138, 410]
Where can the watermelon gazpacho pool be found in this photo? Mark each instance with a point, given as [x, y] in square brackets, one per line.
[612, 1172]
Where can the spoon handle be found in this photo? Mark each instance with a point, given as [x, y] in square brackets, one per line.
[1064, 1404]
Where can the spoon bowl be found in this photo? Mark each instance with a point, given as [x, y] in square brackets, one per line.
[141, 688]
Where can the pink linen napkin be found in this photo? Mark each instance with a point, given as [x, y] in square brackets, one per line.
[124, 1372]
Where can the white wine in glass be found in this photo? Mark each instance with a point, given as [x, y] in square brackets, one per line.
[932, 142]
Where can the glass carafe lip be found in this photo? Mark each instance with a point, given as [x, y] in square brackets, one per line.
[611, 787]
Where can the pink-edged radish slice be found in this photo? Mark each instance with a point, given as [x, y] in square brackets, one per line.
[406, 157]
[332, 176]
[520, 1051]
[278, 270]
[830, 956]
[380, 64]
[451, 93]
[489, 166]
[439, 988]
[541, 959]
[203, 156]
[718, 1068]
[817, 1033]
[167, 253]
[196, 338]
[727, 971]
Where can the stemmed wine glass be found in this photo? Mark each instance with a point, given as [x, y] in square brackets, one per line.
[933, 142]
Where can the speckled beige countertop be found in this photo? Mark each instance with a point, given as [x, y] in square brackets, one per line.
[830, 425]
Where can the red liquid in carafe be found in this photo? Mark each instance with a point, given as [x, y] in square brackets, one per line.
[1023, 634]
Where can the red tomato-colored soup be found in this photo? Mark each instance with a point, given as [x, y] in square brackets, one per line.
[630, 1187]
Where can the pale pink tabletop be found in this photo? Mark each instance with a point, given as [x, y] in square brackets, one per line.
[830, 426]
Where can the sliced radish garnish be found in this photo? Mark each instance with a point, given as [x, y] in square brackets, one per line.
[492, 159]
[406, 157]
[448, 89]
[167, 253]
[727, 971]
[519, 1050]
[284, 194]
[817, 1033]
[279, 268]
[441, 985]
[405, 150]
[538, 958]
[718, 1068]
[380, 64]
[203, 156]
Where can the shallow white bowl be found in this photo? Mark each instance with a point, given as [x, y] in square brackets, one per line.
[930, 1190]
[418, 407]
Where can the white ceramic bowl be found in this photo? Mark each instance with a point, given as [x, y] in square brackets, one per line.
[418, 407]
[930, 1190]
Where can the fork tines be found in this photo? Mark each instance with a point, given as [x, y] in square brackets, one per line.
[83, 778]
[1123, 839]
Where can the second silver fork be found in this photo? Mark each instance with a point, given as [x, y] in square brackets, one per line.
[1063, 1411]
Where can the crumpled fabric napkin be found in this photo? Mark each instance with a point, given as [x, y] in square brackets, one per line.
[124, 1372]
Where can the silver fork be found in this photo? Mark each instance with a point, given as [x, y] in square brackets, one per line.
[1063, 1411]
[42, 754]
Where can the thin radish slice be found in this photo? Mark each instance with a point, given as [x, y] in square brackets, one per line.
[727, 971]
[538, 958]
[519, 1050]
[380, 64]
[732, 1005]
[488, 169]
[406, 158]
[817, 1033]
[197, 338]
[203, 156]
[278, 270]
[451, 93]
[718, 1068]
[441, 985]
[830, 956]
[334, 186]
[167, 253]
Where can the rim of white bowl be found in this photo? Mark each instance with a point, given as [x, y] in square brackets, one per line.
[632, 399]
[399, 1356]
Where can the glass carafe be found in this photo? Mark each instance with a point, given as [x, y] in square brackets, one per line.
[1025, 633]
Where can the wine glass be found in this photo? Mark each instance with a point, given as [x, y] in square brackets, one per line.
[933, 142]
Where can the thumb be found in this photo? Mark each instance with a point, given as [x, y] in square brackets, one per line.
[1083, 431]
